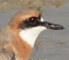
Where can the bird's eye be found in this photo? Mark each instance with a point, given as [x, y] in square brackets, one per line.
[32, 20]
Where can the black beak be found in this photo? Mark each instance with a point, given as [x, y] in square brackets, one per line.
[49, 25]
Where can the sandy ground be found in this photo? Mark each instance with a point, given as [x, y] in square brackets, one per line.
[50, 45]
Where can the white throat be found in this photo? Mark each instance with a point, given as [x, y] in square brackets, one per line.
[30, 35]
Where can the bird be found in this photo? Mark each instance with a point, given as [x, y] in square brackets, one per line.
[18, 38]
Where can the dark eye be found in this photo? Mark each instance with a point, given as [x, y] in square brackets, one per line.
[32, 19]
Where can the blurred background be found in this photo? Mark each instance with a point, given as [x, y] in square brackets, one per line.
[31, 4]
[50, 44]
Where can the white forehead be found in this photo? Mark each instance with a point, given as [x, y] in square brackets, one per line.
[42, 20]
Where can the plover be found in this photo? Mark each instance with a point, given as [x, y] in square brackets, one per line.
[18, 38]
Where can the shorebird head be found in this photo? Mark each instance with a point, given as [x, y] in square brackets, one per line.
[30, 23]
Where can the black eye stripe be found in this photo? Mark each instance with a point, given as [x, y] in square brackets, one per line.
[31, 22]
[34, 19]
